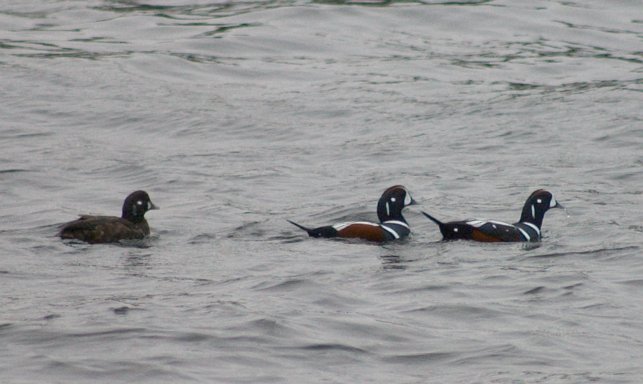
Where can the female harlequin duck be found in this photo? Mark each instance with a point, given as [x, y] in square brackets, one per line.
[527, 229]
[110, 229]
[392, 225]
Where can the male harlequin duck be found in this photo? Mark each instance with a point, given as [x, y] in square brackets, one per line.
[110, 229]
[392, 225]
[527, 229]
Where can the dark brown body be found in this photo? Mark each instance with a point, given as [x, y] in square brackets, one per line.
[104, 229]
[110, 229]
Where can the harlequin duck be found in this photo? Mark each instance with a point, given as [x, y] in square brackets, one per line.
[392, 224]
[110, 229]
[526, 229]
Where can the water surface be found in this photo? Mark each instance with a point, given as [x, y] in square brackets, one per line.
[235, 116]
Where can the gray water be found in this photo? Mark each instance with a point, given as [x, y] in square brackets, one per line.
[235, 116]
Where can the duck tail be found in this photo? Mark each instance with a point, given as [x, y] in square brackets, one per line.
[433, 219]
[299, 226]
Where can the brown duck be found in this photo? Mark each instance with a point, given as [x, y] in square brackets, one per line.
[109, 229]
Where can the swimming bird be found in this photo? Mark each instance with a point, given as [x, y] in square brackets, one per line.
[110, 229]
[526, 229]
[392, 225]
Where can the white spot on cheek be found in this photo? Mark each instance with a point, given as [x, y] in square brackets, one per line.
[539, 201]
[393, 199]
[455, 229]
[139, 202]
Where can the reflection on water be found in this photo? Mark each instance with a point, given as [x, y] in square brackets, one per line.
[138, 260]
[392, 262]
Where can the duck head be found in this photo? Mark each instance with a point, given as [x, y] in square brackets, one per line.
[135, 206]
[392, 202]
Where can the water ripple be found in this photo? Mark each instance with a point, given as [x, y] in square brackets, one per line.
[238, 115]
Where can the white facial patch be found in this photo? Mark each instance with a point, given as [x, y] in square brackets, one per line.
[455, 229]
[552, 203]
[139, 202]
[408, 199]
[393, 199]
[539, 201]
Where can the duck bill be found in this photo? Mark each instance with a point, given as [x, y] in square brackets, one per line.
[152, 207]
[555, 204]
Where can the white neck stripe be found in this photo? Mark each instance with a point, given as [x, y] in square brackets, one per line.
[533, 226]
[524, 233]
[397, 222]
[391, 231]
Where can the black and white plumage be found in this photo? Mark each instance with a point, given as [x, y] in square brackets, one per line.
[392, 225]
[526, 229]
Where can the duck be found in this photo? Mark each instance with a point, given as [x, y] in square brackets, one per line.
[527, 229]
[392, 225]
[111, 229]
